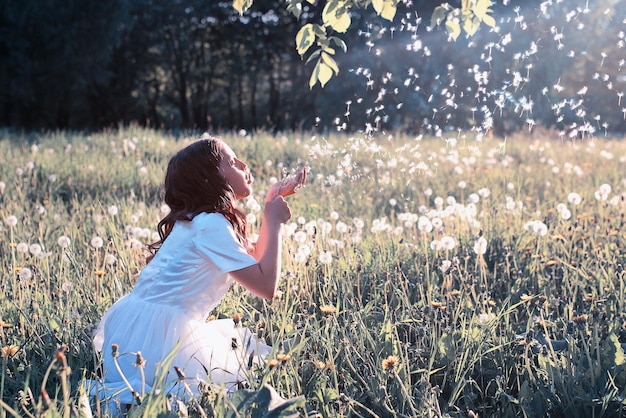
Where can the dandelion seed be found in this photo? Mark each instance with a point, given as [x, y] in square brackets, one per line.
[445, 265]
[110, 259]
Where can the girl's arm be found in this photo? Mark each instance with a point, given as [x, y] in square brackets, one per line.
[262, 278]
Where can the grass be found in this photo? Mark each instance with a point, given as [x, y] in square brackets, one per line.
[387, 305]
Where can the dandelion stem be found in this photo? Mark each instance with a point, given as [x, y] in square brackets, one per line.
[10, 410]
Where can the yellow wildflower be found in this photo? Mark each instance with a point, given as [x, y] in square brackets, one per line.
[390, 363]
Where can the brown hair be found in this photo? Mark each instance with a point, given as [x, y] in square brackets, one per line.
[193, 185]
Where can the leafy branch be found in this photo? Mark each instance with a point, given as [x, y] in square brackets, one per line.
[317, 39]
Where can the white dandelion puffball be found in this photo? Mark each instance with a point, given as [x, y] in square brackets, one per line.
[64, 241]
[326, 257]
[341, 227]
[25, 273]
[11, 220]
[448, 242]
[605, 189]
[436, 245]
[445, 265]
[35, 249]
[480, 246]
[537, 227]
[110, 259]
[97, 242]
[574, 198]
[22, 247]
[424, 224]
[113, 210]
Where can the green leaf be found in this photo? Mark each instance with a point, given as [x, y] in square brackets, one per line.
[481, 8]
[489, 21]
[242, 5]
[313, 56]
[266, 402]
[471, 25]
[385, 8]
[325, 73]
[295, 8]
[613, 353]
[340, 43]
[328, 60]
[439, 14]
[305, 38]
[453, 28]
[446, 347]
[336, 16]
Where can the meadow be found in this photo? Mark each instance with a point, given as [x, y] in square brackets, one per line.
[435, 277]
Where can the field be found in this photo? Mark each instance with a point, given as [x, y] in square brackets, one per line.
[421, 276]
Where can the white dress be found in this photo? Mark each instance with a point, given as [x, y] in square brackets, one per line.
[164, 317]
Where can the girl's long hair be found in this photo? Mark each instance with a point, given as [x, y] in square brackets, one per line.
[193, 184]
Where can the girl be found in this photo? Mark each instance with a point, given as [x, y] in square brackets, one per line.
[161, 325]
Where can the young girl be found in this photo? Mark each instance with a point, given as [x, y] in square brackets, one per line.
[161, 325]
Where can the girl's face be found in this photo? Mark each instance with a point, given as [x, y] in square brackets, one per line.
[235, 172]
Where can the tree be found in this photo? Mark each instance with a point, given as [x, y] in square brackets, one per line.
[319, 42]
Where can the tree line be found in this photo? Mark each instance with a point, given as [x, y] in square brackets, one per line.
[200, 65]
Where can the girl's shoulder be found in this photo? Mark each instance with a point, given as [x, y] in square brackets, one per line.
[206, 220]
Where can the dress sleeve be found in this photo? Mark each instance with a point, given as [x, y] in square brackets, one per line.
[217, 241]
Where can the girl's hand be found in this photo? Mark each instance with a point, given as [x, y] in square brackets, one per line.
[289, 185]
[277, 209]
